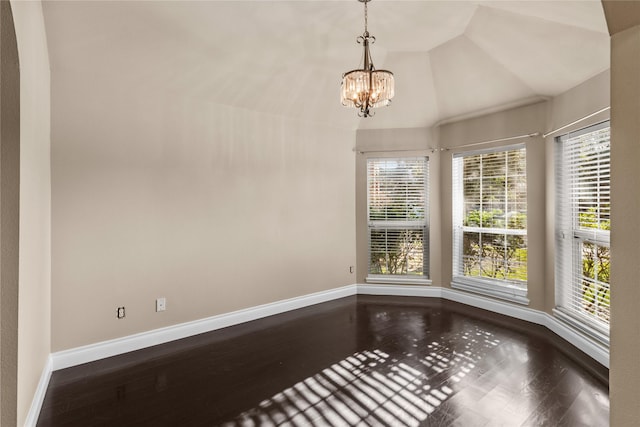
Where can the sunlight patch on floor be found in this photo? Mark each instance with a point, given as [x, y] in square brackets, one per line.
[371, 388]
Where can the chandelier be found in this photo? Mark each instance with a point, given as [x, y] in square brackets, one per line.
[367, 88]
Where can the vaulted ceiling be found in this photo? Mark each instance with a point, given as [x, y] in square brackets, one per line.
[450, 58]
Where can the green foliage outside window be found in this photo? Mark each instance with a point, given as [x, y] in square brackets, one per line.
[495, 255]
[596, 268]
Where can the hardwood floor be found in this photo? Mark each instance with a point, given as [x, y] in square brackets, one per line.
[357, 361]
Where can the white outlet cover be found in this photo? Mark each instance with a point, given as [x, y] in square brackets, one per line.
[161, 304]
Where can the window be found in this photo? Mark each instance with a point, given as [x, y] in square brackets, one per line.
[397, 195]
[583, 222]
[490, 223]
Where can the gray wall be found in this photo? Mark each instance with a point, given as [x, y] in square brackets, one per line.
[625, 229]
[157, 194]
[34, 309]
[9, 214]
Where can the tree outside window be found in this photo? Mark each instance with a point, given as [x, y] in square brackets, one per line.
[490, 216]
[397, 220]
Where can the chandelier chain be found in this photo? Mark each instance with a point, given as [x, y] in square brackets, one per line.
[366, 18]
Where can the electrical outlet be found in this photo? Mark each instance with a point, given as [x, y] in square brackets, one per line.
[161, 304]
[120, 312]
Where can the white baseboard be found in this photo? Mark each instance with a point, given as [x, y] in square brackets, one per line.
[471, 299]
[591, 348]
[400, 290]
[101, 350]
[494, 305]
[38, 397]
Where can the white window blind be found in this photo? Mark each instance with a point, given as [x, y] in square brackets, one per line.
[490, 222]
[583, 222]
[397, 195]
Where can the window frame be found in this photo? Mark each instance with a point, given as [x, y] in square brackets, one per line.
[424, 278]
[569, 241]
[506, 289]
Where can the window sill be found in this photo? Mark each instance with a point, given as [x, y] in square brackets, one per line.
[487, 288]
[404, 280]
[583, 326]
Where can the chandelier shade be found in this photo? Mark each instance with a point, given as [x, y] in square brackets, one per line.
[366, 87]
[362, 88]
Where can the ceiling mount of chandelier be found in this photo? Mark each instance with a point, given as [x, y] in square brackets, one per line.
[366, 87]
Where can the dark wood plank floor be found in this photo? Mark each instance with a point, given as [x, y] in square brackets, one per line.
[357, 361]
